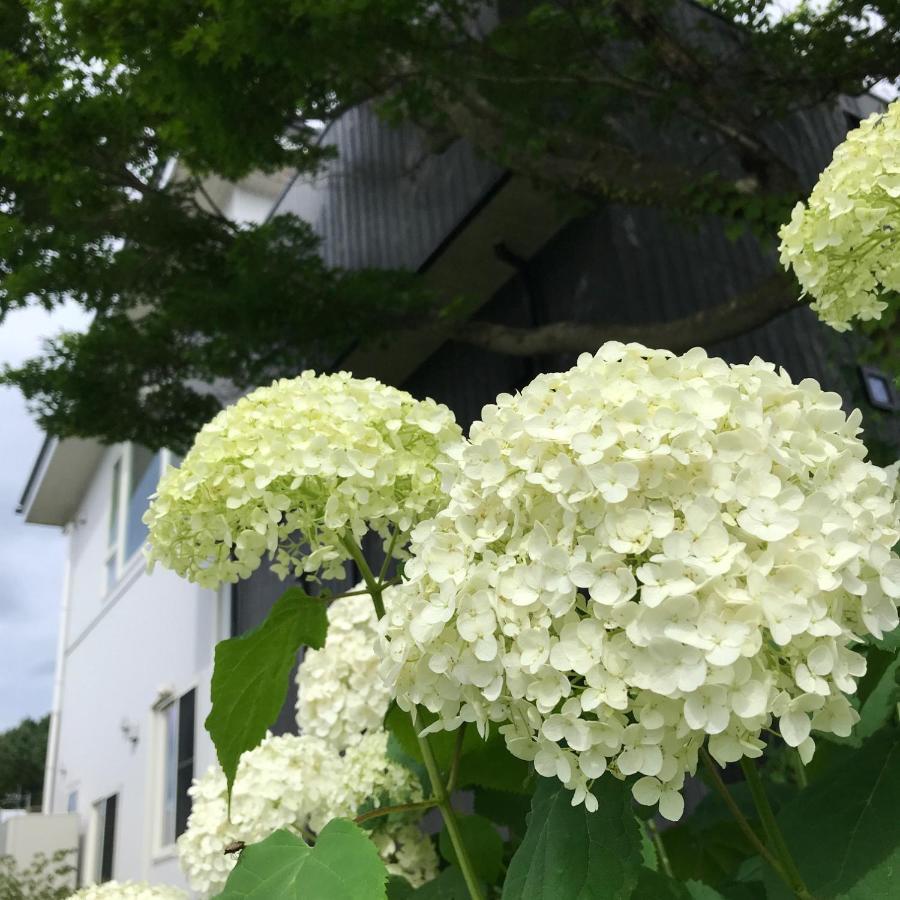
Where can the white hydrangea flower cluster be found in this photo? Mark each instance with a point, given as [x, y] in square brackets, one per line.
[300, 783]
[292, 469]
[645, 553]
[341, 695]
[844, 245]
[129, 890]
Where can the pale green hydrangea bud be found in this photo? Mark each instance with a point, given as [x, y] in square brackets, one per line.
[292, 470]
[643, 555]
[129, 890]
[340, 693]
[844, 243]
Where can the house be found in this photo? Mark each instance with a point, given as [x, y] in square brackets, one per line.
[135, 650]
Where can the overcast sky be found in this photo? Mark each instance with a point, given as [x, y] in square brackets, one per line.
[31, 556]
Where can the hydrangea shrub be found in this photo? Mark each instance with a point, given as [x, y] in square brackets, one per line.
[626, 568]
[300, 783]
[293, 471]
[844, 242]
[646, 554]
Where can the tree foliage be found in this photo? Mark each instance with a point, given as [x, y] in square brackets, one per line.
[654, 102]
[22, 753]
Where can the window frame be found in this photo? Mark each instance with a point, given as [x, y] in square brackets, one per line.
[117, 515]
[164, 844]
[101, 855]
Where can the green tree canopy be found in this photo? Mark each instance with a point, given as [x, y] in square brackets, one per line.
[22, 753]
[652, 102]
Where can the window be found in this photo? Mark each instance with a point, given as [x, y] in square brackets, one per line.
[72, 802]
[135, 475]
[178, 767]
[105, 837]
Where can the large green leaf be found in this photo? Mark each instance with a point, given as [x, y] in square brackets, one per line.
[483, 845]
[251, 672]
[571, 854]
[844, 830]
[343, 864]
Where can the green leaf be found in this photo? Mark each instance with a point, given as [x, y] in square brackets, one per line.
[489, 764]
[344, 863]
[503, 808]
[712, 854]
[398, 888]
[484, 763]
[483, 844]
[658, 886]
[572, 854]
[449, 885]
[648, 851]
[251, 672]
[881, 695]
[844, 831]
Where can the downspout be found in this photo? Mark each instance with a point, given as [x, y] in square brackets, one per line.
[51, 764]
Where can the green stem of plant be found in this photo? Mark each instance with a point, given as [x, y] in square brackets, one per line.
[453, 777]
[388, 555]
[773, 832]
[372, 583]
[453, 832]
[398, 808]
[660, 848]
[722, 790]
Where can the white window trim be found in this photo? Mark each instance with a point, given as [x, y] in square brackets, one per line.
[91, 863]
[157, 781]
[124, 459]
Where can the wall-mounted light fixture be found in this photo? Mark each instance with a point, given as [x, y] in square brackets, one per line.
[879, 388]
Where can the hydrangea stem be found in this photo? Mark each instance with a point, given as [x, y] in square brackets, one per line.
[372, 583]
[773, 832]
[398, 808]
[722, 790]
[450, 820]
[441, 796]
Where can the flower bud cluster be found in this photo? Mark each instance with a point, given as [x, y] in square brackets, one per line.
[340, 693]
[844, 244]
[644, 554]
[292, 470]
[300, 783]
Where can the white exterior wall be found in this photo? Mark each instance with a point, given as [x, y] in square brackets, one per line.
[121, 647]
[150, 632]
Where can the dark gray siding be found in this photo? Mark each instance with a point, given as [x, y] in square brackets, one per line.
[387, 200]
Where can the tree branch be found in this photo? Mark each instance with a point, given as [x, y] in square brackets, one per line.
[776, 295]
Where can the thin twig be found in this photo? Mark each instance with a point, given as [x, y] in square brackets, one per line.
[398, 808]
[739, 817]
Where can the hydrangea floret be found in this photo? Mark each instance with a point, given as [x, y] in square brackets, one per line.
[645, 554]
[340, 693]
[298, 470]
[300, 783]
[129, 890]
[844, 243]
